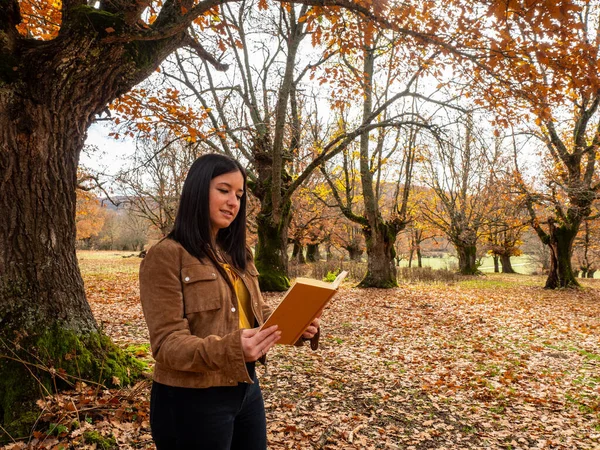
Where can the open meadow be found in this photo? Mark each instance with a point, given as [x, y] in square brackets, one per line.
[484, 362]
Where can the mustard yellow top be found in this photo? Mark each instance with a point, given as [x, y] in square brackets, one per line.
[243, 296]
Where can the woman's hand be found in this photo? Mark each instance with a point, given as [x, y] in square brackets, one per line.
[256, 344]
[312, 329]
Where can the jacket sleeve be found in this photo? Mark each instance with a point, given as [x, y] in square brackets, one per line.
[173, 345]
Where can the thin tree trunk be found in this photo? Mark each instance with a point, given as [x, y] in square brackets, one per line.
[496, 263]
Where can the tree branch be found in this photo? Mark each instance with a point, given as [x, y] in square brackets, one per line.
[189, 41]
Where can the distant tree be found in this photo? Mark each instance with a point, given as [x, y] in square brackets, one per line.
[503, 228]
[587, 247]
[151, 186]
[380, 58]
[458, 172]
[89, 216]
[541, 77]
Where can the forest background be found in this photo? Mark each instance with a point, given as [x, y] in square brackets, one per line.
[374, 133]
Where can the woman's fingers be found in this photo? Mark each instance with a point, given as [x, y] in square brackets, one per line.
[312, 329]
[256, 344]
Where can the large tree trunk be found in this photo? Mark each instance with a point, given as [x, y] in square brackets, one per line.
[47, 332]
[381, 271]
[496, 259]
[44, 316]
[271, 252]
[40, 276]
[506, 264]
[561, 248]
[467, 258]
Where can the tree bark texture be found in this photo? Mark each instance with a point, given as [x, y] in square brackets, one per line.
[271, 256]
[381, 271]
[467, 258]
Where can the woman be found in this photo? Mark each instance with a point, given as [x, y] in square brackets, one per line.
[201, 300]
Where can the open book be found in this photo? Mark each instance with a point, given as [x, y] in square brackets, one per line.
[303, 301]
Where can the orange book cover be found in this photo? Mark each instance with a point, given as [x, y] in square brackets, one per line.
[303, 301]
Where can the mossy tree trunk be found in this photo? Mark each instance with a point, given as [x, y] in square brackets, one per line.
[467, 257]
[271, 256]
[48, 99]
[381, 270]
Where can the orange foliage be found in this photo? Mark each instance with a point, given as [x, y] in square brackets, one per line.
[89, 215]
[41, 18]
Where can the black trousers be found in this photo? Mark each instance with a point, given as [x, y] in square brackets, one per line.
[216, 418]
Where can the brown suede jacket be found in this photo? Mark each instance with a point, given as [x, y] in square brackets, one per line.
[192, 316]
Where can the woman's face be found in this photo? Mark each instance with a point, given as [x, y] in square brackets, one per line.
[224, 199]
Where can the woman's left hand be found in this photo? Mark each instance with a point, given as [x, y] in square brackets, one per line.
[312, 329]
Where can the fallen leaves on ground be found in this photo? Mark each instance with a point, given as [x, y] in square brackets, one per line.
[423, 366]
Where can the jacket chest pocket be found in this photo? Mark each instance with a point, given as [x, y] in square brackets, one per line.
[202, 289]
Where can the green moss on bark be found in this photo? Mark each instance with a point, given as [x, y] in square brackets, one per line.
[100, 20]
[272, 280]
[372, 282]
[55, 359]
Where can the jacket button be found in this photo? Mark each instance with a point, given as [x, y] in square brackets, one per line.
[187, 278]
[232, 309]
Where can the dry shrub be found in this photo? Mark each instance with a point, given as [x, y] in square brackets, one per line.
[426, 275]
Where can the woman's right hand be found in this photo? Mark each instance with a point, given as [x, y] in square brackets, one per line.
[256, 344]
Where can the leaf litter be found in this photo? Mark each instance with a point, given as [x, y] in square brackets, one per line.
[422, 366]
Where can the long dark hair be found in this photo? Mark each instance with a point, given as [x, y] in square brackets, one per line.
[192, 225]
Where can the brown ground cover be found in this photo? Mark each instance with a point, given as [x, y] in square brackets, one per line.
[490, 362]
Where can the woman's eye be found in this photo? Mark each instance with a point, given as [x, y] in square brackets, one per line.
[224, 191]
